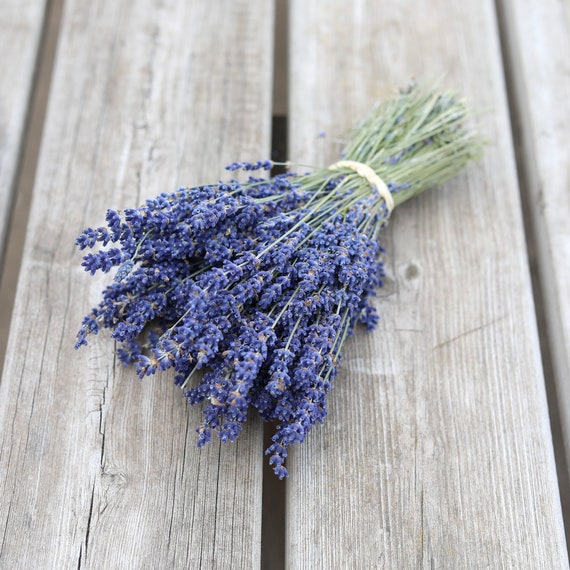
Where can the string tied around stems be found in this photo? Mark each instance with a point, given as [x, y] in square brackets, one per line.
[373, 179]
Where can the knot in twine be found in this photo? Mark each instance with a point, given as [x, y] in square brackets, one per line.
[368, 174]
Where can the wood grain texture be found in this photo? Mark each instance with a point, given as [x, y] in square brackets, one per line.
[21, 24]
[437, 450]
[537, 35]
[99, 469]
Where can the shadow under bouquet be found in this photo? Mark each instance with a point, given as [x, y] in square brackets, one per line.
[248, 290]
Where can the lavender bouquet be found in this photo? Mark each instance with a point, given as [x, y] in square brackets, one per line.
[248, 290]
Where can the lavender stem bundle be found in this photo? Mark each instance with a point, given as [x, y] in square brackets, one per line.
[248, 290]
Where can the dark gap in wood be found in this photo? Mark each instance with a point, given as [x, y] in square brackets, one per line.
[279, 144]
[27, 168]
[526, 178]
[273, 500]
[273, 512]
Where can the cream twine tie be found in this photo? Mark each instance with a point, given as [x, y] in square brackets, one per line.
[368, 174]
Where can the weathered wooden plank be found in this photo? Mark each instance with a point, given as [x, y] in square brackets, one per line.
[98, 469]
[21, 25]
[537, 37]
[437, 452]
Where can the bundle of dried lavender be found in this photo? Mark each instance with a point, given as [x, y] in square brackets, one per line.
[258, 284]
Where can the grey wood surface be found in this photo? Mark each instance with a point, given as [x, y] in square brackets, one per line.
[537, 35]
[437, 450]
[21, 25]
[97, 468]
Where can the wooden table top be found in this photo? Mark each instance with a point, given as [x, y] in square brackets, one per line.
[438, 448]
